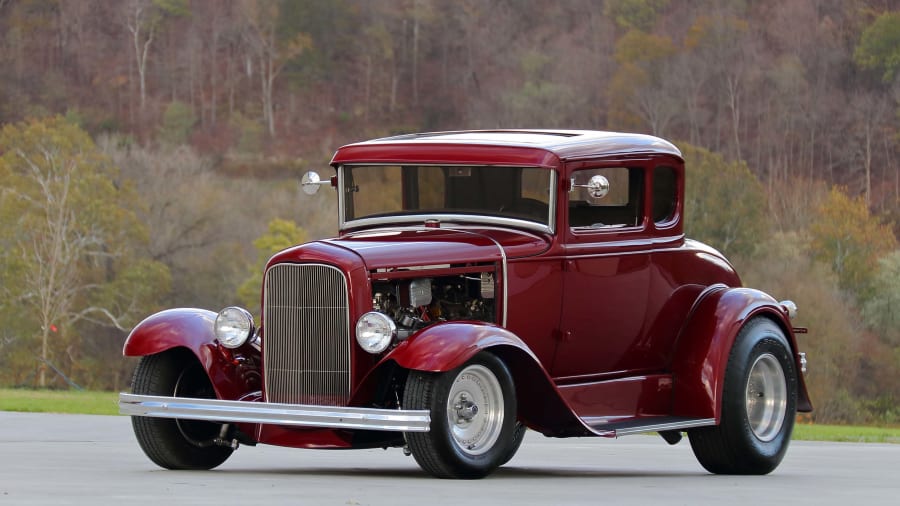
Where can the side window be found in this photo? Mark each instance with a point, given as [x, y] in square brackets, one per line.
[620, 207]
[664, 194]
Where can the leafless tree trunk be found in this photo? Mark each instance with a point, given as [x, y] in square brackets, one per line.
[733, 87]
[871, 113]
[415, 53]
[142, 31]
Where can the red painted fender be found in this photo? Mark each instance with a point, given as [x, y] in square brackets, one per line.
[191, 329]
[705, 341]
[445, 346]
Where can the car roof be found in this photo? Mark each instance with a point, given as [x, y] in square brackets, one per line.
[565, 144]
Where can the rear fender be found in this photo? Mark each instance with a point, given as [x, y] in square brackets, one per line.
[192, 329]
[704, 345]
[445, 346]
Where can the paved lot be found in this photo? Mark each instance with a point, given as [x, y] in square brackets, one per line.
[74, 459]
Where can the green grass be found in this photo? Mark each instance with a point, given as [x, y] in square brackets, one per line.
[59, 401]
[846, 433]
[105, 403]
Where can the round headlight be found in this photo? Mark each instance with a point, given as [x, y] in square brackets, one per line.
[375, 331]
[234, 326]
[790, 308]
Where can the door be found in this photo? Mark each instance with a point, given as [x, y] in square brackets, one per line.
[607, 272]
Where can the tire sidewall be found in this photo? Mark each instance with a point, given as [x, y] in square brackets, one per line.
[759, 337]
[164, 440]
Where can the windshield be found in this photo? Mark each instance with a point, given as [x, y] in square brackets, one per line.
[413, 193]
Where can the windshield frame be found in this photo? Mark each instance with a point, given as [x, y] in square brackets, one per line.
[413, 218]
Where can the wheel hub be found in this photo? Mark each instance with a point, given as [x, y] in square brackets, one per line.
[465, 409]
[766, 397]
[475, 410]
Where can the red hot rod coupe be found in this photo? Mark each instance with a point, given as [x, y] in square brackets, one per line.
[482, 283]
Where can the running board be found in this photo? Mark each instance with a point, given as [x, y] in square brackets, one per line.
[618, 427]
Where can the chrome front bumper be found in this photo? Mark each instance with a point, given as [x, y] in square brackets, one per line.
[299, 415]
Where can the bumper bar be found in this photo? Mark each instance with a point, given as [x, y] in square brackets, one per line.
[300, 415]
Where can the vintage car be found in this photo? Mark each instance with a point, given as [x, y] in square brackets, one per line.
[483, 283]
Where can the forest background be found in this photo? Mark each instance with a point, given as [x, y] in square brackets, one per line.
[150, 150]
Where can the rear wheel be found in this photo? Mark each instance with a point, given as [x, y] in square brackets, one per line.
[759, 403]
[175, 443]
[473, 418]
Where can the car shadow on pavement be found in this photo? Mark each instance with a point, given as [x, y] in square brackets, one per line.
[511, 472]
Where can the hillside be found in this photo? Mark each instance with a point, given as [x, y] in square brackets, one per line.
[190, 121]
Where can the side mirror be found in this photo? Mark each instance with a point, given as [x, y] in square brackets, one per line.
[311, 182]
[597, 187]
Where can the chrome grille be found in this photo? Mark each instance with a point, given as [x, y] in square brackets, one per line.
[306, 348]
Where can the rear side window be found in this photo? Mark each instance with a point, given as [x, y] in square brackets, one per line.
[620, 207]
[664, 195]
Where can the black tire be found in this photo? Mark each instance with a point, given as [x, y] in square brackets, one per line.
[752, 436]
[473, 418]
[517, 438]
[173, 443]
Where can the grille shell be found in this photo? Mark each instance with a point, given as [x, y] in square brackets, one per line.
[306, 349]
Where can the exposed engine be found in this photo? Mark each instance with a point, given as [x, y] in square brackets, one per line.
[416, 303]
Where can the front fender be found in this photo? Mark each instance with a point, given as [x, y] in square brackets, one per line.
[704, 345]
[185, 327]
[192, 329]
[445, 346]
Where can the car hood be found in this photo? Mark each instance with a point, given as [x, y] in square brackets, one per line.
[386, 248]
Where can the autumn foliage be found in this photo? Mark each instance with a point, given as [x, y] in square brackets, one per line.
[147, 144]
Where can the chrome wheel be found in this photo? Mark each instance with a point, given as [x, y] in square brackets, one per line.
[475, 410]
[766, 397]
[474, 428]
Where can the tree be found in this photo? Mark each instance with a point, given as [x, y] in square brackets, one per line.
[849, 239]
[724, 203]
[726, 44]
[273, 50]
[882, 312]
[879, 46]
[783, 268]
[639, 86]
[178, 121]
[69, 237]
[196, 232]
[639, 14]
[282, 234]
[540, 97]
[143, 19]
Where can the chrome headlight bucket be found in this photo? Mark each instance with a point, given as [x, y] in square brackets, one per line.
[375, 331]
[234, 325]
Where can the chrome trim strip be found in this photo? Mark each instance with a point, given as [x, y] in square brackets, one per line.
[687, 424]
[554, 193]
[300, 415]
[505, 278]
[448, 218]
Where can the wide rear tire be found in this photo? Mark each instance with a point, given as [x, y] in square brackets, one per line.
[759, 404]
[173, 443]
[473, 418]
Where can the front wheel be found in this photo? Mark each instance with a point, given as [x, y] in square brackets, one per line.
[174, 443]
[473, 418]
[759, 403]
